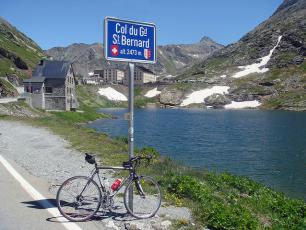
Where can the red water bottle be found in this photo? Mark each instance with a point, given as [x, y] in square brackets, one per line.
[116, 184]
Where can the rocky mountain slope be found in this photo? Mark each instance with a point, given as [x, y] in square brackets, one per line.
[18, 55]
[172, 59]
[267, 64]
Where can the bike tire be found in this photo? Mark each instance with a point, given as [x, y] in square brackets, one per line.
[82, 200]
[145, 204]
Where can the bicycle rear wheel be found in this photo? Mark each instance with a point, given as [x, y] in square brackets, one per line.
[78, 198]
[146, 197]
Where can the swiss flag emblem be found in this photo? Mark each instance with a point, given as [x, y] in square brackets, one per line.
[147, 53]
[115, 50]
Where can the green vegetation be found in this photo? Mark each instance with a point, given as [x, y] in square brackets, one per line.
[18, 44]
[142, 102]
[287, 56]
[137, 91]
[90, 100]
[5, 67]
[292, 100]
[230, 202]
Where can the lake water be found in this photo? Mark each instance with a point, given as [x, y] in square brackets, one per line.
[267, 146]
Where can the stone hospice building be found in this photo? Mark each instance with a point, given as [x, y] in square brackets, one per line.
[52, 86]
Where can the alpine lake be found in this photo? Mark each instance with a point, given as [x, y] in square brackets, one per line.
[267, 146]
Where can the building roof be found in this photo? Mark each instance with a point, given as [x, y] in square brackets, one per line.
[144, 69]
[51, 69]
[34, 80]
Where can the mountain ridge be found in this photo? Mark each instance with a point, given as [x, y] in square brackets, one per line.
[286, 76]
[172, 58]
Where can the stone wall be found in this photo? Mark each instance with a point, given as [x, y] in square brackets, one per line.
[56, 100]
[55, 103]
[37, 101]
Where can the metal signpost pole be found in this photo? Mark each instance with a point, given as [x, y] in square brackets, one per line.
[131, 124]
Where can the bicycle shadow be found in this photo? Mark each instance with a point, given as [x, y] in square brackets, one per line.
[118, 214]
[41, 204]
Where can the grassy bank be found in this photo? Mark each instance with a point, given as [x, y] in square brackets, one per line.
[218, 201]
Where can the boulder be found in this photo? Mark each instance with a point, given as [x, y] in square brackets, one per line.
[171, 97]
[217, 100]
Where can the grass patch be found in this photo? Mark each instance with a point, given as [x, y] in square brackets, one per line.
[5, 67]
[141, 102]
[287, 56]
[89, 99]
[292, 100]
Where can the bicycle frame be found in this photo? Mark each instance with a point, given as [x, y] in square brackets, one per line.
[125, 181]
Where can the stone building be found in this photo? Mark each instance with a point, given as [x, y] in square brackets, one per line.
[142, 76]
[109, 76]
[52, 86]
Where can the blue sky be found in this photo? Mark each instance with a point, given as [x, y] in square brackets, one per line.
[62, 22]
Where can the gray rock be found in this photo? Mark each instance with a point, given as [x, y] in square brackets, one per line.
[217, 100]
[171, 97]
[165, 224]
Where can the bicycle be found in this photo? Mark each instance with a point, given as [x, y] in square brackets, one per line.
[79, 198]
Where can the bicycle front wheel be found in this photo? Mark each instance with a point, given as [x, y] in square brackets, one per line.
[142, 197]
[78, 198]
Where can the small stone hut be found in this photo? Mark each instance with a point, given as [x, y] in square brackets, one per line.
[52, 86]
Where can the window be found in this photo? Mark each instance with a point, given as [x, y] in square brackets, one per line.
[48, 90]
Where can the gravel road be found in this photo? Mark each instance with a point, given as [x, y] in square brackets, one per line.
[49, 157]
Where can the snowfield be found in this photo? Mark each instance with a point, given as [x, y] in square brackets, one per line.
[198, 97]
[152, 93]
[112, 94]
[243, 104]
[255, 68]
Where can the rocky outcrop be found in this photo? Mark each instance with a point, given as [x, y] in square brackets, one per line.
[171, 97]
[16, 110]
[14, 79]
[217, 100]
[6, 89]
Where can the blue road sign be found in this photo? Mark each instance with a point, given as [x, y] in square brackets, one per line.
[129, 41]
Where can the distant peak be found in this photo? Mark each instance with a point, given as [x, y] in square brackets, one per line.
[206, 39]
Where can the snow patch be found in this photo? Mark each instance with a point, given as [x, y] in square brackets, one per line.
[242, 104]
[91, 82]
[255, 68]
[152, 93]
[196, 55]
[223, 76]
[198, 97]
[112, 94]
